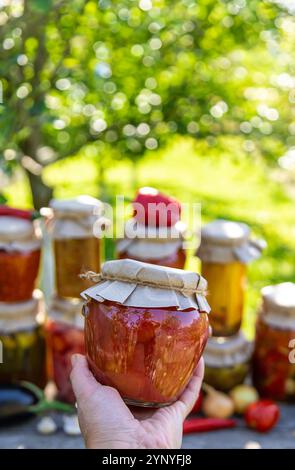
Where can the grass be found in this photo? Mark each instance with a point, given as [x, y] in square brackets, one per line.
[227, 181]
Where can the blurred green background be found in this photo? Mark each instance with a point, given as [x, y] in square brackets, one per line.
[196, 98]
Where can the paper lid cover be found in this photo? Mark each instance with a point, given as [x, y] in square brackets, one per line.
[148, 243]
[139, 284]
[15, 228]
[227, 351]
[224, 241]
[225, 232]
[18, 316]
[279, 299]
[81, 205]
[67, 311]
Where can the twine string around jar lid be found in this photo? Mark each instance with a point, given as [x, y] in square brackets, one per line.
[137, 284]
[98, 277]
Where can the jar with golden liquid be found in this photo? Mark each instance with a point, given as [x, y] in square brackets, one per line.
[76, 248]
[225, 251]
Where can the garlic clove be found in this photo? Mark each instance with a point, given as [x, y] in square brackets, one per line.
[46, 426]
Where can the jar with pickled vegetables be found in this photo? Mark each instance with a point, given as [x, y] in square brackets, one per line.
[273, 368]
[154, 245]
[146, 327]
[23, 341]
[225, 251]
[154, 234]
[76, 248]
[65, 337]
[20, 248]
[227, 361]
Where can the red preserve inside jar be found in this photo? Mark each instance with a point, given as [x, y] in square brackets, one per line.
[19, 259]
[18, 269]
[147, 353]
[65, 337]
[273, 361]
[273, 373]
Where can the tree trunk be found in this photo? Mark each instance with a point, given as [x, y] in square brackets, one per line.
[41, 193]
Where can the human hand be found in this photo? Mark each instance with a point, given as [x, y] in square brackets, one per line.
[107, 423]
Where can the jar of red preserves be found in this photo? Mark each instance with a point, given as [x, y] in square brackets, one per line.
[273, 363]
[65, 337]
[145, 329]
[77, 246]
[163, 246]
[225, 250]
[20, 248]
[23, 342]
[227, 361]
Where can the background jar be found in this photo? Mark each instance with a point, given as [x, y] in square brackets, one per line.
[23, 341]
[273, 362]
[142, 339]
[224, 251]
[154, 245]
[76, 249]
[20, 249]
[65, 337]
[227, 361]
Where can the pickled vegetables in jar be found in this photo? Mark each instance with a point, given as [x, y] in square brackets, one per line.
[155, 233]
[146, 327]
[23, 341]
[20, 248]
[273, 368]
[76, 248]
[65, 337]
[161, 246]
[227, 361]
[224, 251]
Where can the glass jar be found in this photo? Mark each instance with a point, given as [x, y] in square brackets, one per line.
[76, 248]
[225, 250]
[145, 330]
[23, 342]
[20, 248]
[227, 361]
[65, 337]
[273, 369]
[154, 245]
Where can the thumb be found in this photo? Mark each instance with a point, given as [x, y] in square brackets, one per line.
[83, 382]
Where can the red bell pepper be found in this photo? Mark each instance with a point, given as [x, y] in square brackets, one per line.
[262, 415]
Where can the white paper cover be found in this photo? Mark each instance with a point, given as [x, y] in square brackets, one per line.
[151, 242]
[227, 352]
[21, 316]
[278, 305]
[224, 241]
[137, 284]
[18, 234]
[75, 218]
[67, 311]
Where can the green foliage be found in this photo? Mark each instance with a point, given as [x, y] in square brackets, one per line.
[121, 77]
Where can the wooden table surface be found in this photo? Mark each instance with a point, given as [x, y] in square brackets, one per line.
[25, 435]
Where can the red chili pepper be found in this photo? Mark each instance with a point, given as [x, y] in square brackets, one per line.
[262, 415]
[198, 404]
[207, 424]
[19, 213]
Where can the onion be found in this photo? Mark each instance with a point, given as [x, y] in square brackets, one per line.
[217, 404]
[242, 396]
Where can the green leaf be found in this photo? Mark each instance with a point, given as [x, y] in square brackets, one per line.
[42, 6]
